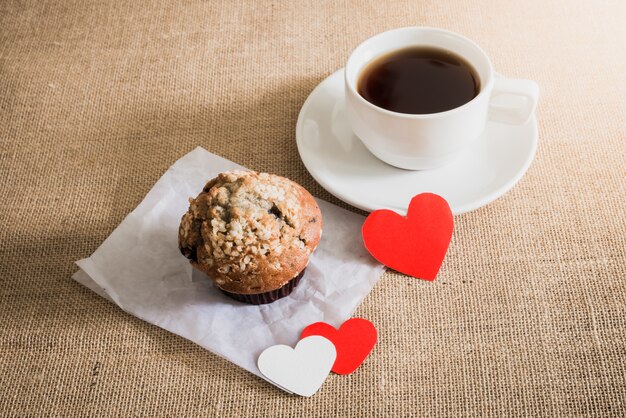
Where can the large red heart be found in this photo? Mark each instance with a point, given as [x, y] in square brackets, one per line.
[416, 244]
[354, 340]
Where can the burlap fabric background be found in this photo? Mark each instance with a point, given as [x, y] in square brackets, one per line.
[97, 99]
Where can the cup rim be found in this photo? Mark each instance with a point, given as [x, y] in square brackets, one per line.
[480, 94]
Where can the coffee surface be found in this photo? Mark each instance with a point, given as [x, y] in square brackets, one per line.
[419, 80]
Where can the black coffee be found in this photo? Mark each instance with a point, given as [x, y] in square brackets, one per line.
[419, 80]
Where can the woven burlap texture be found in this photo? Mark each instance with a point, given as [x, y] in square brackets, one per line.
[97, 99]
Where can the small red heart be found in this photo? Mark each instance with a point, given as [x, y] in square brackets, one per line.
[416, 244]
[354, 340]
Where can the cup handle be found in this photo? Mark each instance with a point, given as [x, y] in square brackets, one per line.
[518, 113]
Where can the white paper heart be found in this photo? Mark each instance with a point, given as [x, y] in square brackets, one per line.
[302, 369]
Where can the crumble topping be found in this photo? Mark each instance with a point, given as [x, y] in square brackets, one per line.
[244, 222]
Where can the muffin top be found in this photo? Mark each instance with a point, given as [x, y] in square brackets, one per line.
[250, 232]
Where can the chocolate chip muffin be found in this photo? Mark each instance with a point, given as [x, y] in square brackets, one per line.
[252, 234]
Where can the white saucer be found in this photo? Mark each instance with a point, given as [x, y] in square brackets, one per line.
[340, 163]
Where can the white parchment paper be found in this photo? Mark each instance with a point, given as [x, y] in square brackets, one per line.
[140, 268]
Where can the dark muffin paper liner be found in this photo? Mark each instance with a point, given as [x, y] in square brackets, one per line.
[267, 297]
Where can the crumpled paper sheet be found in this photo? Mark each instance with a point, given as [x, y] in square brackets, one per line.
[140, 268]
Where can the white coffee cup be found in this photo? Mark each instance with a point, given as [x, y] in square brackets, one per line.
[424, 141]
